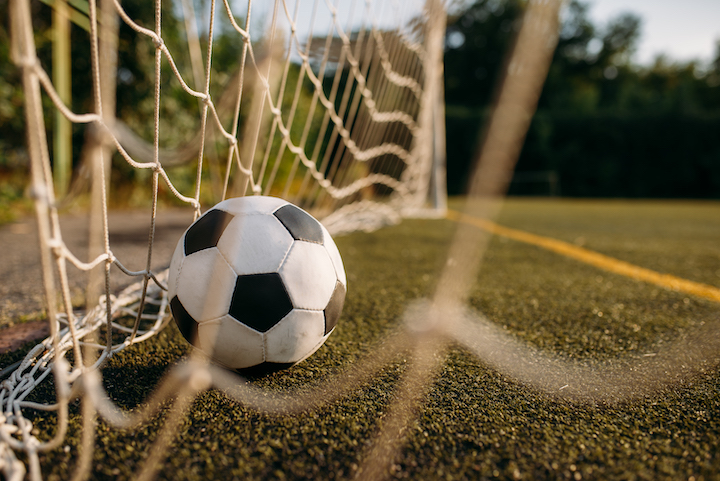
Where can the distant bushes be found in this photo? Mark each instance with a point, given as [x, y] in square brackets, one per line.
[663, 155]
[605, 127]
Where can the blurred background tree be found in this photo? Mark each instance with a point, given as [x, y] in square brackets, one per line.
[180, 113]
[605, 127]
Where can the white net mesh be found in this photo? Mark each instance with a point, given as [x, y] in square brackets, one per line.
[335, 107]
[332, 106]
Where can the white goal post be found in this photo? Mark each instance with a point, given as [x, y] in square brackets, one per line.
[335, 106]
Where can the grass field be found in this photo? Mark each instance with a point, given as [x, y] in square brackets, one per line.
[475, 422]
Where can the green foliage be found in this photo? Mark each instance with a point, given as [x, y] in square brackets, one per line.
[607, 127]
[14, 160]
[616, 154]
[179, 112]
[589, 61]
[477, 41]
[296, 114]
[12, 113]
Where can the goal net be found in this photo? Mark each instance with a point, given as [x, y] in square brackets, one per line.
[335, 106]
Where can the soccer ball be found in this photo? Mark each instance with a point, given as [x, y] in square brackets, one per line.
[256, 282]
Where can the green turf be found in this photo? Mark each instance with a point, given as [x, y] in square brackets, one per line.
[676, 237]
[475, 423]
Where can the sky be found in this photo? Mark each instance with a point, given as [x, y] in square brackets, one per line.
[682, 29]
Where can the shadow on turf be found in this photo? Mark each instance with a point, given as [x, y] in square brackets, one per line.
[264, 369]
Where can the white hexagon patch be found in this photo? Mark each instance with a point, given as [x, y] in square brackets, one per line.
[291, 339]
[308, 275]
[205, 294]
[231, 343]
[255, 244]
[251, 205]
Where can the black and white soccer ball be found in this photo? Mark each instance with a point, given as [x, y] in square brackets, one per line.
[256, 282]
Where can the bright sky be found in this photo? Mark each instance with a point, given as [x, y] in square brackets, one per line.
[682, 29]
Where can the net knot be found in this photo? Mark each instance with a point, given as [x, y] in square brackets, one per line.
[159, 42]
[55, 245]
[200, 379]
[26, 62]
[38, 192]
[32, 444]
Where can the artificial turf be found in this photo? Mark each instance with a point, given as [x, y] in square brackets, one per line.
[475, 422]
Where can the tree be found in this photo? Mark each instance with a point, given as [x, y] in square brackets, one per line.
[608, 127]
[477, 41]
[591, 65]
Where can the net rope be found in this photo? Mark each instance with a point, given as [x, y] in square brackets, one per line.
[380, 124]
[357, 126]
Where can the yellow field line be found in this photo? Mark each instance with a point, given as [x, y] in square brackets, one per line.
[593, 258]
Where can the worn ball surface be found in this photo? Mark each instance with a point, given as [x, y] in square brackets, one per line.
[256, 282]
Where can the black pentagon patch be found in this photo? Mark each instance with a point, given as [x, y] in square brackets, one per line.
[187, 325]
[302, 226]
[260, 301]
[334, 307]
[206, 231]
